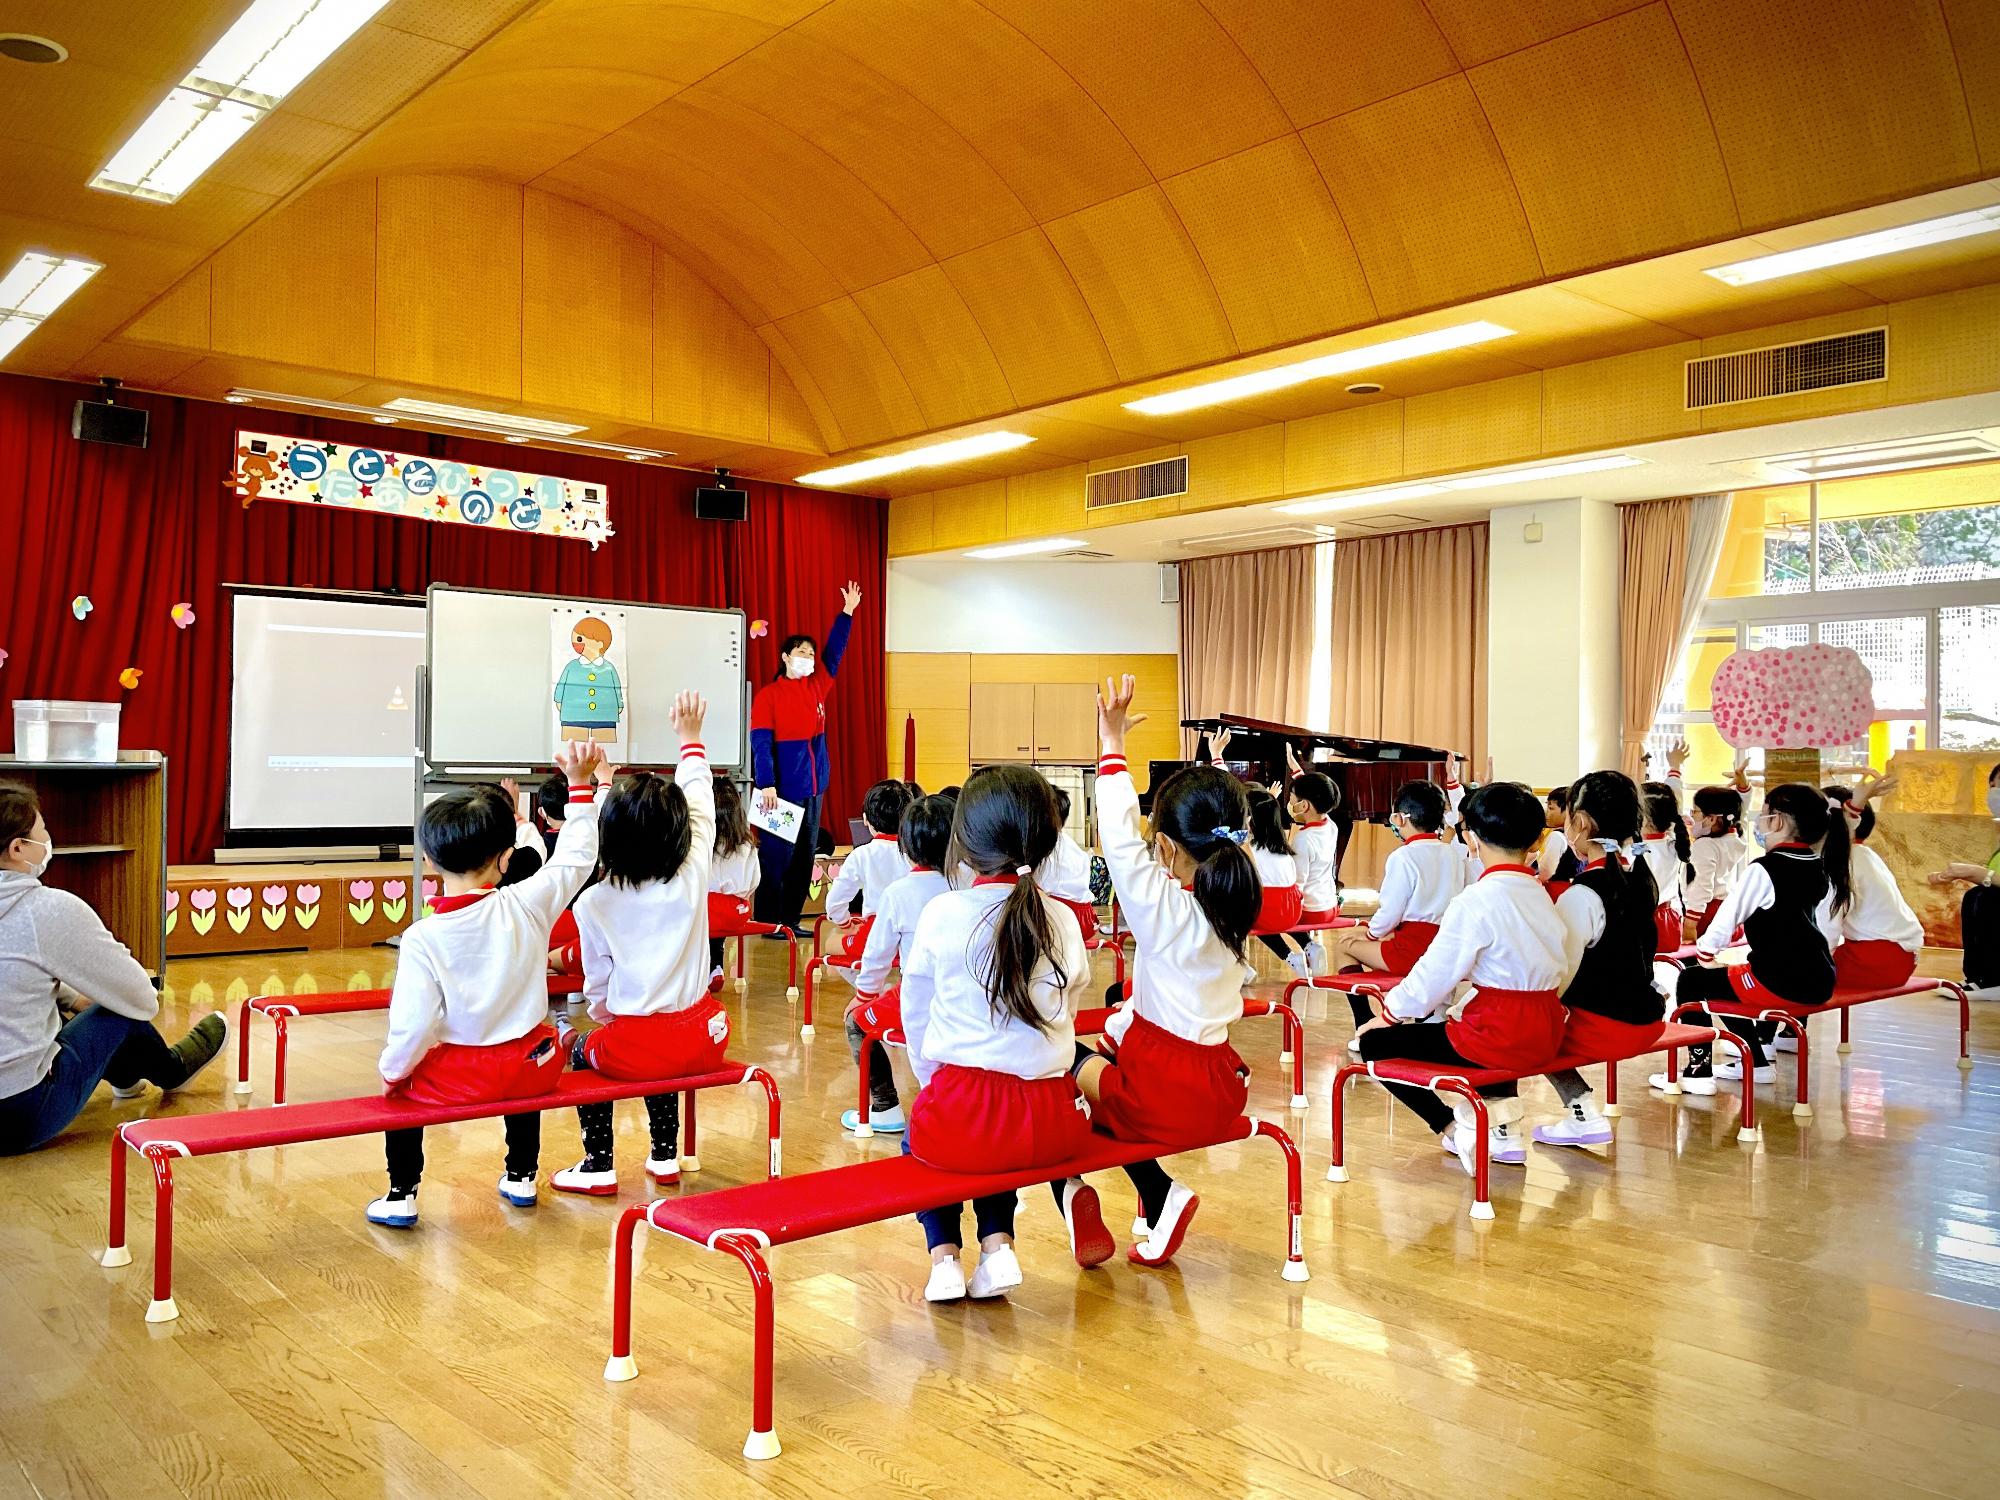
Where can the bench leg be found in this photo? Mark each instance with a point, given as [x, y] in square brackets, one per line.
[792, 966]
[864, 1131]
[162, 1309]
[243, 1046]
[621, 1365]
[1964, 1025]
[281, 1032]
[1612, 1108]
[1846, 1046]
[116, 1251]
[1294, 1057]
[813, 966]
[742, 983]
[774, 1122]
[1746, 1129]
[690, 1157]
[1295, 1247]
[1802, 1106]
[1482, 1204]
[1337, 1168]
[763, 1439]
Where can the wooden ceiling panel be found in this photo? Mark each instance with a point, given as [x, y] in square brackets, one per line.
[159, 42]
[74, 107]
[51, 186]
[449, 321]
[456, 23]
[281, 152]
[1145, 284]
[938, 346]
[1426, 196]
[1056, 149]
[859, 377]
[1975, 38]
[1322, 58]
[137, 365]
[1298, 275]
[787, 361]
[1607, 138]
[270, 285]
[375, 72]
[711, 373]
[661, 43]
[792, 424]
[1829, 105]
[1049, 352]
[586, 310]
[1480, 30]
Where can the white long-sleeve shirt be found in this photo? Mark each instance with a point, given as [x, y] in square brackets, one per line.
[1316, 846]
[1419, 880]
[1717, 859]
[948, 1016]
[736, 873]
[1665, 862]
[1876, 910]
[645, 947]
[1502, 932]
[1184, 980]
[895, 924]
[1555, 844]
[1065, 874]
[1275, 872]
[867, 872]
[477, 974]
[1753, 892]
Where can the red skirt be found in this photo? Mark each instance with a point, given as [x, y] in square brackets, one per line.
[1707, 915]
[1161, 1087]
[1519, 1030]
[1872, 964]
[676, 1044]
[972, 1120]
[1403, 947]
[1086, 916]
[1280, 912]
[878, 1015]
[451, 1073]
[564, 938]
[1318, 918]
[853, 940]
[1588, 1034]
[1667, 929]
[727, 915]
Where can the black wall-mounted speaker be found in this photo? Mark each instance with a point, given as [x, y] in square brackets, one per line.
[713, 503]
[102, 422]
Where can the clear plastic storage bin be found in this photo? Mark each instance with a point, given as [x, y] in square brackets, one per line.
[65, 729]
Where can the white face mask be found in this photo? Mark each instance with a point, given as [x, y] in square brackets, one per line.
[796, 667]
[1993, 800]
[48, 856]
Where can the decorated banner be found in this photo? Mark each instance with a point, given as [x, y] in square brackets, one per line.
[1793, 698]
[425, 489]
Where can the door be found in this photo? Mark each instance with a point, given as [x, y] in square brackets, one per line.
[1003, 721]
[1065, 722]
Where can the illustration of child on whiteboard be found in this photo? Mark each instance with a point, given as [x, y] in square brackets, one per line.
[589, 699]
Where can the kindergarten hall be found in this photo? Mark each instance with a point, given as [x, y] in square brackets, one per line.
[1026, 748]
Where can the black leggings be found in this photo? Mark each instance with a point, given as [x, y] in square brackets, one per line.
[1417, 1041]
[1275, 941]
[405, 1151]
[1698, 984]
[1979, 919]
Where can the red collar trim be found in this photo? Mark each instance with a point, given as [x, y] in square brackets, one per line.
[1316, 823]
[1598, 863]
[1508, 870]
[1652, 838]
[1420, 838]
[922, 870]
[885, 838]
[996, 880]
[1793, 844]
[460, 902]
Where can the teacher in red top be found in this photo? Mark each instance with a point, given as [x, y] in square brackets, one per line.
[788, 758]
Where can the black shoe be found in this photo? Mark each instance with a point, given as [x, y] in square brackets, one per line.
[200, 1047]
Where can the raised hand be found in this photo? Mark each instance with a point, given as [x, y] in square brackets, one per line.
[850, 597]
[513, 790]
[690, 709]
[1114, 712]
[578, 760]
[1677, 756]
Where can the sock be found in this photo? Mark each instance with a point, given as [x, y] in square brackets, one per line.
[1152, 1182]
[595, 1121]
[663, 1119]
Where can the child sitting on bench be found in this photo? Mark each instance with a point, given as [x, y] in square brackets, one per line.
[871, 868]
[733, 873]
[1666, 849]
[1316, 847]
[1066, 875]
[1880, 937]
[468, 1018]
[1277, 867]
[1420, 879]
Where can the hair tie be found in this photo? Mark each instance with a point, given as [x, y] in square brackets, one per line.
[1237, 836]
[1849, 808]
[1024, 870]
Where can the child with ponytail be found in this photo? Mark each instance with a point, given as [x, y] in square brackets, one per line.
[1715, 854]
[992, 978]
[1880, 936]
[1788, 904]
[1277, 868]
[1189, 894]
[1666, 849]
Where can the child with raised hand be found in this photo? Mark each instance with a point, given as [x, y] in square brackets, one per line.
[1165, 1070]
[732, 874]
[1315, 843]
[992, 978]
[925, 836]
[468, 1014]
[1277, 867]
[645, 956]
[1666, 849]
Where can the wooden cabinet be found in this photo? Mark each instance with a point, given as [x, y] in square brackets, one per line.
[1003, 721]
[1065, 721]
[1052, 722]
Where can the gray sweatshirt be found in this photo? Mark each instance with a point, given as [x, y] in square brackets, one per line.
[50, 939]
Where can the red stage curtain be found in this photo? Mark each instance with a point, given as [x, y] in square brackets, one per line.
[140, 530]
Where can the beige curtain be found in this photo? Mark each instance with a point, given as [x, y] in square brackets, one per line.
[1246, 635]
[1409, 652]
[1652, 614]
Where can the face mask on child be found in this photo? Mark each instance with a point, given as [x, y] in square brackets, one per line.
[1993, 800]
[798, 667]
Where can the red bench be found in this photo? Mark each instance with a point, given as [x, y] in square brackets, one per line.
[160, 1141]
[747, 1221]
[742, 932]
[1088, 1023]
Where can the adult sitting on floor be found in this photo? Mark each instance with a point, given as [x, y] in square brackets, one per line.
[56, 956]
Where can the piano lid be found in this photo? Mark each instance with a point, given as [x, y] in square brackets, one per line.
[1348, 747]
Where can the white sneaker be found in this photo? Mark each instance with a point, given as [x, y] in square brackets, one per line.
[519, 1191]
[1158, 1247]
[1083, 1216]
[1249, 976]
[1140, 1228]
[1464, 1144]
[1702, 1085]
[1731, 1069]
[664, 1170]
[131, 1091]
[1785, 1042]
[998, 1273]
[890, 1121]
[1581, 1125]
[1506, 1146]
[1354, 1046]
[580, 1179]
[1300, 963]
[394, 1210]
[947, 1283]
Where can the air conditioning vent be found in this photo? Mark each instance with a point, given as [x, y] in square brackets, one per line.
[1788, 369]
[1158, 480]
[1386, 523]
[1259, 540]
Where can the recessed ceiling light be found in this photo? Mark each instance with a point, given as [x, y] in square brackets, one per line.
[387, 421]
[1027, 549]
[1859, 247]
[235, 400]
[638, 458]
[1346, 361]
[956, 451]
[1321, 504]
[272, 48]
[36, 286]
[20, 47]
[1364, 388]
[515, 437]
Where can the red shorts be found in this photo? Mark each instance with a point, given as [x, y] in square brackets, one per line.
[727, 915]
[970, 1120]
[1519, 1030]
[853, 940]
[1591, 1035]
[1317, 918]
[1667, 929]
[1402, 948]
[1872, 964]
[454, 1074]
[1281, 909]
[1086, 916]
[676, 1044]
[1708, 915]
[878, 1015]
[1161, 1087]
[564, 938]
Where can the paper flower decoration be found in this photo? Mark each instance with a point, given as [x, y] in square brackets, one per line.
[129, 678]
[759, 629]
[182, 614]
[1793, 698]
[3, 658]
[81, 605]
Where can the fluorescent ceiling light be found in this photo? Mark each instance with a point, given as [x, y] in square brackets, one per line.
[1027, 549]
[1353, 499]
[536, 426]
[235, 400]
[1859, 247]
[36, 286]
[272, 48]
[1368, 356]
[956, 451]
[1319, 505]
[483, 422]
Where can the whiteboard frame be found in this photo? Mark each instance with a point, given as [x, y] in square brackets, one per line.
[741, 706]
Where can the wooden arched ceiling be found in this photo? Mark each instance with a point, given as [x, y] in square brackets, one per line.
[935, 211]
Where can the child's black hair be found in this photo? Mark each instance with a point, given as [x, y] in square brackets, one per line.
[1862, 826]
[883, 805]
[552, 798]
[951, 793]
[1199, 808]
[1268, 822]
[1422, 804]
[466, 829]
[1558, 798]
[1317, 790]
[1005, 822]
[915, 789]
[1818, 823]
[1504, 814]
[1062, 802]
[1723, 802]
[732, 818]
[1663, 815]
[1610, 799]
[642, 830]
[925, 834]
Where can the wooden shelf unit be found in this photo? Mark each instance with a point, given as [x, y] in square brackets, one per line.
[109, 823]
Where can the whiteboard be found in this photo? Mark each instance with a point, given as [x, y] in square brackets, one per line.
[488, 701]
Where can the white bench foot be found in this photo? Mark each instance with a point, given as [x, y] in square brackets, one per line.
[805, 1033]
[621, 1367]
[163, 1311]
[1336, 1174]
[1965, 1065]
[1284, 1059]
[742, 985]
[1482, 1210]
[117, 1255]
[1750, 1133]
[1672, 1088]
[864, 1131]
[761, 1445]
[243, 1086]
[792, 992]
[1300, 1101]
[1613, 1111]
[690, 1163]
[1844, 1048]
[1295, 1270]
[1802, 1112]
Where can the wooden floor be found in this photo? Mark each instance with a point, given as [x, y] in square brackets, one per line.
[1817, 1316]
